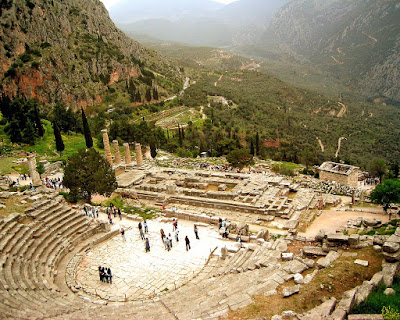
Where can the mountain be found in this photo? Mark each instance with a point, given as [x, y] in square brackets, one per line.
[72, 52]
[357, 41]
[129, 11]
[238, 23]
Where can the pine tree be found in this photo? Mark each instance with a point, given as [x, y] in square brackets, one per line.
[59, 141]
[180, 136]
[257, 144]
[148, 94]
[86, 131]
[153, 150]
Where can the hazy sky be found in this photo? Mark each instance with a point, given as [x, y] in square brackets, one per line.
[109, 3]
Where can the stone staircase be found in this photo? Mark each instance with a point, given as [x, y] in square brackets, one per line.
[31, 246]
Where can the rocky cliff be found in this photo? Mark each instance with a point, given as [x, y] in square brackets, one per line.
[72, 52]
[357, 40]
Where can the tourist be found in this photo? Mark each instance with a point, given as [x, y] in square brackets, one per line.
[196, 232]
[162, 234]
[147, 245]
[174, 224]
[101, 274]
[123, 234]
[177, 235]
[119, 214]
[109, 274]
[141, 230]
[146, 229]
[226, 233]
[170, 239]
[187, 243]
[220, 223]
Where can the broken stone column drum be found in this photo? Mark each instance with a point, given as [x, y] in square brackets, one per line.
[117, 155]
[32, 170]
[106, 143]
[148, 153]
[139, 157]
[127, 153]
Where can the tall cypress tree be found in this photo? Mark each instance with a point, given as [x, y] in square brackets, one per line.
[59, 141]
[257, 144]
[86, 131]
[251, 147]
[38, 123]
[148, 94]
[155, 93]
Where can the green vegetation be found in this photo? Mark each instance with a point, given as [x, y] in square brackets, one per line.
[386, 229]
[86, 173]
[119, 202]
[377, 300]
[386, 193]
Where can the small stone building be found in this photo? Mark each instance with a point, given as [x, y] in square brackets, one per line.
[341, 173]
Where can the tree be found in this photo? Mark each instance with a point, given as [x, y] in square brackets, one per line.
[148, 94]
[378, 169]
[59, 141]
[386, 193]
[155, 93]
[86, 131]
[239, 158]
[153, 150]
[88, 172]
[251, 147]
[38, 123]
[257, 144]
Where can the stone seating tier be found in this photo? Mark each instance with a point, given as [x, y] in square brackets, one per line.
[30, 253]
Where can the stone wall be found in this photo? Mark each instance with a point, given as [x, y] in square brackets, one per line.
[349, 180]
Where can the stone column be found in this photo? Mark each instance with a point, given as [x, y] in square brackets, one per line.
[127, 153]
[148, 153]
[106, 143]
[32, 170]
[139, 157]
[117, 155]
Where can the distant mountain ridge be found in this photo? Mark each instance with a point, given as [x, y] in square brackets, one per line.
[71, 51]
[238, 23]
[357, 41]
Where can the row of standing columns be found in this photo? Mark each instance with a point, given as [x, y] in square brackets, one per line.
[127, 154]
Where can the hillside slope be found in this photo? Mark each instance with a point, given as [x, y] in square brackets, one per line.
[358, 41]
[71, 51]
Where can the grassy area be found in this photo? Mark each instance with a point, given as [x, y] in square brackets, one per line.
[12, 205]
[377, 300]
[386, 229]
[341, 276]
[119, 202]
[7, 166]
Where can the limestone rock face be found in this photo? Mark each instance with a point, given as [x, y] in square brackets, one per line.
[69, 51]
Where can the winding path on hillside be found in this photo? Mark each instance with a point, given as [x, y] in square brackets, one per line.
[342, 111]
[216, 82]
[321, 145]
[339, 145]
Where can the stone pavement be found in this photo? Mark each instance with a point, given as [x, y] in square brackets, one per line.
[138, 275]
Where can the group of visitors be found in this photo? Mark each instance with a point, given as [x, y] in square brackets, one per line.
[144, 228]
[92, 212]
[167, 239]
[55, 183]
[113, 211]
[105, 274]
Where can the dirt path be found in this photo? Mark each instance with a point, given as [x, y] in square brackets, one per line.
[336, 60]
[203, 115]
[342, 111]
[216, 82]
[321, 145]
[339, 145]
[375, 40]
[331, 220]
